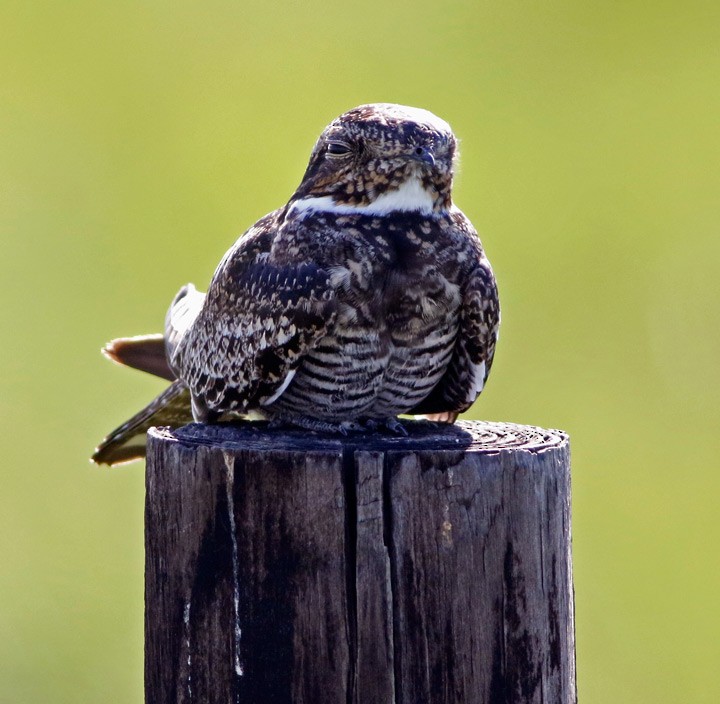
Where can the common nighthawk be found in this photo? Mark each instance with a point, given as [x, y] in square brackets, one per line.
[366, 296]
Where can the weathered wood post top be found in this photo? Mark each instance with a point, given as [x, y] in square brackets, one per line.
[290, 567]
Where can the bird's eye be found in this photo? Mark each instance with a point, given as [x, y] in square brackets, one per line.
[338, 149]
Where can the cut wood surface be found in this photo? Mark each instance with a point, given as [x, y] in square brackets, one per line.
[292, 567]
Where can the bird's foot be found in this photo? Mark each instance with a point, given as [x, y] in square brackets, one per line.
[316, 425]
[392, 425]
[365, 425]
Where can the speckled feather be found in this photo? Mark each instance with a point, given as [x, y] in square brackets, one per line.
[259, 318]
[368, 295]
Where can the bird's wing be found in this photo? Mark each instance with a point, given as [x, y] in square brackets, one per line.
[127, 443]
[258, 320]
[472, 357]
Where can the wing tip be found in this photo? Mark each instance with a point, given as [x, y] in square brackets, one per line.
[110, 455]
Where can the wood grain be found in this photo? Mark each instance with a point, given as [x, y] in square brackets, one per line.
[287, 566]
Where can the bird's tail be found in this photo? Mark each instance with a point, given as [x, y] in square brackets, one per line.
[151, 353]
[143, 352]
[127, 443]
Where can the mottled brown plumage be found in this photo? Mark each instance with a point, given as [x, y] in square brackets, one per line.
[367, 296]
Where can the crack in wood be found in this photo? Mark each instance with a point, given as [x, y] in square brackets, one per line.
[230, 494]
[387, 525]
[349, 478]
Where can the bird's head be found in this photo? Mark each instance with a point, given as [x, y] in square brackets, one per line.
[380, 158]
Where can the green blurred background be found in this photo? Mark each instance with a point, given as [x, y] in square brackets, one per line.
[137, 139]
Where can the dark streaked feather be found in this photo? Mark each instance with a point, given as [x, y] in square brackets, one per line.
[257, 322]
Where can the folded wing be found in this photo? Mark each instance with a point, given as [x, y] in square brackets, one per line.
[472, 357]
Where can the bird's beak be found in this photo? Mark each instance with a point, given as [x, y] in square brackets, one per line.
[424, 155]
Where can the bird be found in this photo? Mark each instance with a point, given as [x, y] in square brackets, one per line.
[368, 295]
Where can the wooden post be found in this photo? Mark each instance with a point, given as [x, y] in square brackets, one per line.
[294, 568]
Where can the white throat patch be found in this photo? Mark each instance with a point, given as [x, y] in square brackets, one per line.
[411, 196]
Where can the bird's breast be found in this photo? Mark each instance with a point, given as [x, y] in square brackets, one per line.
[389, 348]
[397, 320]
